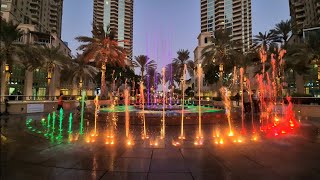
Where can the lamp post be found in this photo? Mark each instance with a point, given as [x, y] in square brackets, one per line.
[221, 73]
[7, 70]
[80, 85]
[318, 71]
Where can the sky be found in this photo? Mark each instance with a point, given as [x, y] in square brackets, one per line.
[162, 27]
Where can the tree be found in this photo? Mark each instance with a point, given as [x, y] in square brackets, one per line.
[8, 34]
[211, 73]
[121, 75]
[80, 71]
[220, 49]
[103, 49]
[264, 40]
[154, 77]
[220, 52]
[29, 57]
[181, 61]
[53, 60]
[143, 63]
[299, 60]
[283, 30]
[171, 76]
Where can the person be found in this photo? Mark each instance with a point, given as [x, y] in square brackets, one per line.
[60, 102]
[255, 99]
[237, 98]
[246, 101]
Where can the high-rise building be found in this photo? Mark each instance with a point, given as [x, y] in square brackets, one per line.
[45, 14]
[231, 15]
[118, 14]
[305, 13]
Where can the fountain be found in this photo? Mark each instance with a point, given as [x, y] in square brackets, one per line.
[143, 113]
[83, 93]
[53, 121]
[127, 116]
[48, 120]
[70, 123]
[199, 99]
[163, 103]
[182, 103]
[97, 106]
[242, 99]
[227, 105]
[60, 119]
[234, 79]
[178, 116]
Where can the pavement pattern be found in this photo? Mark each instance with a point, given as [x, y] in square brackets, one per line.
[28, 155]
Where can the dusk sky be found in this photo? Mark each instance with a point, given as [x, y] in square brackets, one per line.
[165, 25]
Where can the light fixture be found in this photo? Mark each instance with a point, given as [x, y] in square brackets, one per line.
[7, 68]
[221, 67]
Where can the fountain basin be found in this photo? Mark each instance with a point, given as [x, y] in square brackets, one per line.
[173, 115]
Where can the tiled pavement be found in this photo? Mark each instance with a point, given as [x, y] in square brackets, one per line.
[25, 155]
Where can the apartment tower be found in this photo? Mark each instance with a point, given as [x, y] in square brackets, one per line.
[231, 15]
[118, 14]
[46, 15]
[305, 13]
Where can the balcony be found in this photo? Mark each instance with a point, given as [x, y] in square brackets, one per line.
[299, 10]
[34, 8]
[300, 16]
[237, 28]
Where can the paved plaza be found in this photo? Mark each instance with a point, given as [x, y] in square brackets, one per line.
[29, 155]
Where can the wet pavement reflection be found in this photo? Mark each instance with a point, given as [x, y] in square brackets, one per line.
[38, 147]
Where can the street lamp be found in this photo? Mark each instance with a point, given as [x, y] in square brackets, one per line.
[221, 72]
[80, 84]
[7, 70]
[318, 72]
[49, 74]
[221, 67]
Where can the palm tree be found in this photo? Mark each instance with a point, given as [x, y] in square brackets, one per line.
[30, 58]
[283, 31]
[219, 50]
[53, 59]
[104, 49]
[171, 75]
[143, 62]
[181, 60]
[265, 40]
[80, 71]
[154, 77]
[298, 61]
[8, 34]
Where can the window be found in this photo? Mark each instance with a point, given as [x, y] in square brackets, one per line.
[205, 40]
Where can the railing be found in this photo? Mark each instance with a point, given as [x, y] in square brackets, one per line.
[305, 100]
[41, 98]
[294, 100]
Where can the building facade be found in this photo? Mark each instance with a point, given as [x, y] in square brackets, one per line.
[118, 14]
[305, 13]
[33, 84]
[232, 15]
[40, 24]
[46, 15]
